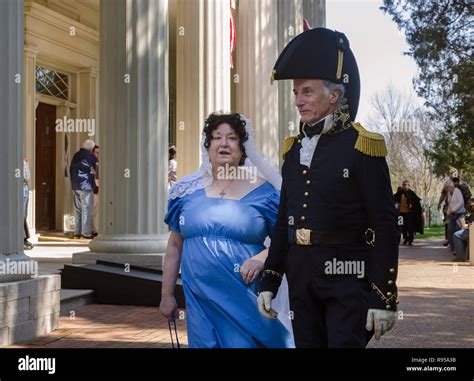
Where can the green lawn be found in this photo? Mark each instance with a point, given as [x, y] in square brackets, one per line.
[433, 231]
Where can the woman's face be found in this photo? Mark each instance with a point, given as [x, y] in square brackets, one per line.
[224, 148]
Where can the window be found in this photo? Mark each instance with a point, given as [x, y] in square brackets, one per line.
[53, 83]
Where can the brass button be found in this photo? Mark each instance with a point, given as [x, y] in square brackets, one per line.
[306, 194]
[305, 172]
[390, 282]
[303, 218]
[305, 206]
[388, 306]
[392, 271]
[299, 140]
[308, 182]
[389, 293]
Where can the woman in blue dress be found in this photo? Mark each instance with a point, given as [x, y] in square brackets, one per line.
[219, 219]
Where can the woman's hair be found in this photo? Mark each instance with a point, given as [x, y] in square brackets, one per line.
[235, 121]
[172, 153]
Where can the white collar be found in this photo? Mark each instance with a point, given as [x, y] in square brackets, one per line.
[328, 119]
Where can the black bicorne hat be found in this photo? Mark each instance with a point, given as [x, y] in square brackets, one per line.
[325, 54]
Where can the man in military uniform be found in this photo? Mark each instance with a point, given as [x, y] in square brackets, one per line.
[336, 236]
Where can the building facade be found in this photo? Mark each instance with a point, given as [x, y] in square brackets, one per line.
[137, 76]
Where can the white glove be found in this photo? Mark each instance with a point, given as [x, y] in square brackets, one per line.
[380, 321]
[264, 302]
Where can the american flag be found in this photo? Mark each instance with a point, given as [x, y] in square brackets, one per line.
[233, 33]
[306, 25]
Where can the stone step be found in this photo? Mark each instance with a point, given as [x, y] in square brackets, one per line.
[71, 300]
[64, 240]
[119, 284]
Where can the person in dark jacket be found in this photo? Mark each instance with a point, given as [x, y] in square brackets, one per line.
[464, 188]
[82, 173]
[410, 210]
[336, 208]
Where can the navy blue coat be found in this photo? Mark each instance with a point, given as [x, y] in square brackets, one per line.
[81, 170]
[348, 190]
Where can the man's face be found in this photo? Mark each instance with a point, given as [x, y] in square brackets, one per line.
[470, 206]
[406, 185]
[96, 153]
[313, 100]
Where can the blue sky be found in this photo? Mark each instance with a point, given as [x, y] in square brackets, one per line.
[377, 45]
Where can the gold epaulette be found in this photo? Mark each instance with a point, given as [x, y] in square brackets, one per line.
[370, 143]
[287, 144]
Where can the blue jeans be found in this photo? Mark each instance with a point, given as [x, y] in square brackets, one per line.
[461, 239]
[26, 195]
[453, 227]
[83, 203]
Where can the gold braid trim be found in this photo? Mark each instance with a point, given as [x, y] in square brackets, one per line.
[287, 144]
[340, 61]
[272, 77]
[380, 293]
[274, 273]
[370, 143]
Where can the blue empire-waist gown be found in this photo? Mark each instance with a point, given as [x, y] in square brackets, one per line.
[219, 236]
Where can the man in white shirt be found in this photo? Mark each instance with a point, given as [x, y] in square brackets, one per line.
[455, 210]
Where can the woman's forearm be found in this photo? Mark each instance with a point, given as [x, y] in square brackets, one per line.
[171, 266]
[262, 256]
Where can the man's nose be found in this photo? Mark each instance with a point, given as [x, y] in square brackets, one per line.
[299, 101]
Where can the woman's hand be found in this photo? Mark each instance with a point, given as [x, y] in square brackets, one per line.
[168, 306]
[250, 270]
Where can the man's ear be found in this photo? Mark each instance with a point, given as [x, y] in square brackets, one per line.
[334, 96]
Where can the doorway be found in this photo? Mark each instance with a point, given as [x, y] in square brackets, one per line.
[45, 168]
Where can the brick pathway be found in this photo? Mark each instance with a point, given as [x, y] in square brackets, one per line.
[110, 326]
[436, 302]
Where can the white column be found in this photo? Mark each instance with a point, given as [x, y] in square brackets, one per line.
[87, 102]
[471, 245]
[11, 131]
[290, 24]
[64, 209]
[257, 51]
[29, 142]
[133, 133]
[264, 28]
[315, 12]
[202, 73]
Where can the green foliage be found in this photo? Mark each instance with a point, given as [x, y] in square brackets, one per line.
[433, 231]
[440, 35]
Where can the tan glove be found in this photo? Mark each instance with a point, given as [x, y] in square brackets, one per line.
[264, 301]
[380, 321]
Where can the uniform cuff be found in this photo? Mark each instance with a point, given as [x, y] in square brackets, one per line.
[270, 281]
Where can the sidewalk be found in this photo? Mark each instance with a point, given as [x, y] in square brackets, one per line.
[96, 325]
[107, 326]
[436, 300]
[436, 310]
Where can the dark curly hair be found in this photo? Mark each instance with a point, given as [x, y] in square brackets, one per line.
[235, 121]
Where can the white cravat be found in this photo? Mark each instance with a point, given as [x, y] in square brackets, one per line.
[308, 145]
